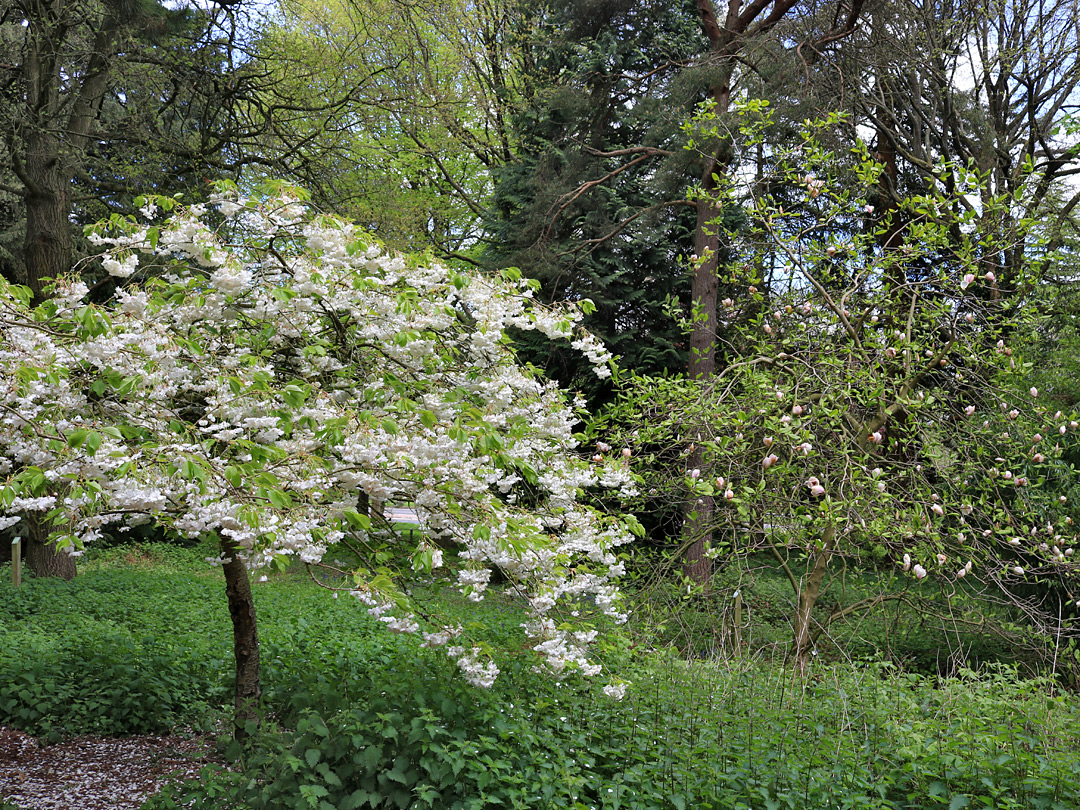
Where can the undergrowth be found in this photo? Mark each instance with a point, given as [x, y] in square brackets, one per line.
[357, 717]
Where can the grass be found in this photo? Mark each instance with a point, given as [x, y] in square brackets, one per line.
[358, 717]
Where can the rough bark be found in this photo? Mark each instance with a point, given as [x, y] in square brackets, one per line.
[248, 689]
[41, 557]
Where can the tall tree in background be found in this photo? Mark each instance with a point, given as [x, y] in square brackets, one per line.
[104, 100]
[427, 90]
[582, 207]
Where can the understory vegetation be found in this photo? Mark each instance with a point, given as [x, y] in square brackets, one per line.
[360, 717]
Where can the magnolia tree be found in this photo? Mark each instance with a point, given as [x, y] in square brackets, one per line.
[867, 409]
[263, 373]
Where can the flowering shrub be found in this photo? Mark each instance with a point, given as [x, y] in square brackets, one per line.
[871, 407]
[271, 371]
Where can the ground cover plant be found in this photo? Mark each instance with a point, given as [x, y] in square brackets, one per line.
[362, 718]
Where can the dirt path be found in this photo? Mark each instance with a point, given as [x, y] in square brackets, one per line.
[95, 773]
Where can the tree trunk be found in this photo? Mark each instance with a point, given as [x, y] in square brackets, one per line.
[697, 531]
[704, 289]
[43, 558]
[803, 642]
[47, 244]
[245, 641]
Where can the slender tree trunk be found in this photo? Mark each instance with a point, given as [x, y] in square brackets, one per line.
[43, 558]
[704, 289]
[245, 641]
[803, 643]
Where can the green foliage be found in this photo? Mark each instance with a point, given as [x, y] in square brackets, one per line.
[578, 212]
[688, 735]
[361, 718]
[102, 684]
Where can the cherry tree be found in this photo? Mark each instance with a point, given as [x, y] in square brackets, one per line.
[263, 373]
[870, 407]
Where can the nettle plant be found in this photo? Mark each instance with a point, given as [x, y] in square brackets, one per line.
[267, 372]
[869, 407]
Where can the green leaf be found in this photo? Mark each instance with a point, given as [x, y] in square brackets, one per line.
[93, 442]
[234, 476]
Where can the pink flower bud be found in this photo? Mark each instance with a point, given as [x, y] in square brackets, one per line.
[969, 279]
[768, 329]
[890, 352]
[1038, 458]
[875, 437]
[907, 562]
[942, 559]
[729, 495]
[919, 571]
[1018, 570]
[970, 317]
[961, 573]
[797, 410]
[695, 473]
[831, 251]
[817, 490]
[990, 276]
[937, 510]
[969, 410]
[626, 452]
[1033, 391]
[767, 441]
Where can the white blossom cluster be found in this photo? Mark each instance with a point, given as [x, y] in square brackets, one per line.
[251, 381]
